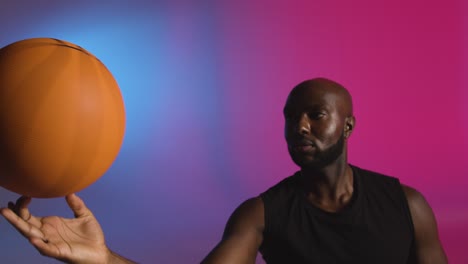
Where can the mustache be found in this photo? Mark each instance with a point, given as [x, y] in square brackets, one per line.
[296, 142]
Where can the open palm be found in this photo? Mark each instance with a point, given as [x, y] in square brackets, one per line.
[75, 240]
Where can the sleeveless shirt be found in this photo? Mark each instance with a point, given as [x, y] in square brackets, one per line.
[374, 227]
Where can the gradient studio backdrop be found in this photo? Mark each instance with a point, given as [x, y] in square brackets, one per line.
[204, 84]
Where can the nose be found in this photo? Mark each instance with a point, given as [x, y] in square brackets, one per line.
[303, 125]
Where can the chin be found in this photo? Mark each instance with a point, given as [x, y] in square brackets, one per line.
[306, 162]
[311, 163]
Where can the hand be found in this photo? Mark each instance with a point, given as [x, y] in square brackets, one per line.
[76, 240]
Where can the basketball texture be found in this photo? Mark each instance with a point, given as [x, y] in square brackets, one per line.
[62, 118]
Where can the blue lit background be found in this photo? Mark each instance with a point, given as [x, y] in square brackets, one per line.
[163, 55]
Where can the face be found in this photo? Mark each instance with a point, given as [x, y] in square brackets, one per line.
[315, 127]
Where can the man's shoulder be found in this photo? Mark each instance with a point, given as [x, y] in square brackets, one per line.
[280, 194]
[284, 185]
[368, 171]
[411, 193]
[371, 175]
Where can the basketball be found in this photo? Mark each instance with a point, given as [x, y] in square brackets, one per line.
[62, 118]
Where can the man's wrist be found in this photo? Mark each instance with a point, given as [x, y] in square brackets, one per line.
[114, 258]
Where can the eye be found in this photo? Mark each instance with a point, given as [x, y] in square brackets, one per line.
[316, 115]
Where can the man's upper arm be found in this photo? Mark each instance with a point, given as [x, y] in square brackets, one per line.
[428, 248]
[242, 236]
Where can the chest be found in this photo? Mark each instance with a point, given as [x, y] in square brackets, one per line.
[368, 234]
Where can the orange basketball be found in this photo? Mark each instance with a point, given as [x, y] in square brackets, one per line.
[62, 118]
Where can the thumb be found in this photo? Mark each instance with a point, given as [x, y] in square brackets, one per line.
[77, 206]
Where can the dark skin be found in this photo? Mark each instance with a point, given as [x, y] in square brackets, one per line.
[319, 121]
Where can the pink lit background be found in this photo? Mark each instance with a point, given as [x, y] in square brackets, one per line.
[204, 83]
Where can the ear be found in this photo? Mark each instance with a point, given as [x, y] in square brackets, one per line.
[350, 122]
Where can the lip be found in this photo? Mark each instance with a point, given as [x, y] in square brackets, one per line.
[304, 148]
[303, 145]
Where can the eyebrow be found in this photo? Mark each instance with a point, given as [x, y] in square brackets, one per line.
[314, 107]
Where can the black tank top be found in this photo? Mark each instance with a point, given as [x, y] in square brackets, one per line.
[375, 227]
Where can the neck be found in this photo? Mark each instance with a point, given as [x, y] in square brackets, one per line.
[332, 184]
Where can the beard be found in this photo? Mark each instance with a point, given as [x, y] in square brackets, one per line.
[322, 158]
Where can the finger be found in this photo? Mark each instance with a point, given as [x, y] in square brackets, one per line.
[22, 207]
[25, 228]
[77, 206]
[44, 247]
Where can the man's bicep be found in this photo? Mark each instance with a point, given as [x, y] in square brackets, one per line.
[428, 248]
[242, 236]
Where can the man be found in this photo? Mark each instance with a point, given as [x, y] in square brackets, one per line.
[328, 212]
